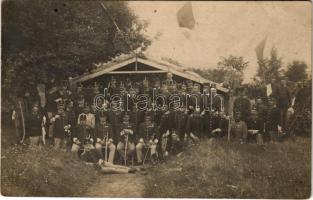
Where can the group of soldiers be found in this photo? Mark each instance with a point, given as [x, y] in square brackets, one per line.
[70, 121]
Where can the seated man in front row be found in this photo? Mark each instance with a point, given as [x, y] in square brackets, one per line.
[83, 140]
[147, 137]
[105, 139]
[126, 144]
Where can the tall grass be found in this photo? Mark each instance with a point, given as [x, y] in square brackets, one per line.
[217, 169]
[43, 172]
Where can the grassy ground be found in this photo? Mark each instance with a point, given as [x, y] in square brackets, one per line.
[44, 172]
[216, 169]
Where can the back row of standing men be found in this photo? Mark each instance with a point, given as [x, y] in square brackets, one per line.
[76, 125]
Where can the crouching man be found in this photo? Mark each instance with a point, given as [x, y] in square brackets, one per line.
[126, 145]
[83, 141]
[105, 139]
[147, 138]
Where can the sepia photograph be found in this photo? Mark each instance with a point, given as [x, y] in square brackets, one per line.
[156, 99]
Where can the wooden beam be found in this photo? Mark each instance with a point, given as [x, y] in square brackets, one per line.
[101, 71]
[137, 72]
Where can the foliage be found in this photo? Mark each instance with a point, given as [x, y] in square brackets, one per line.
[229, 71]
[296, 71]
[58, 38]
[270, 68]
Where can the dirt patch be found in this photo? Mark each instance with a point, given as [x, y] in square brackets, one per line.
[117, 185]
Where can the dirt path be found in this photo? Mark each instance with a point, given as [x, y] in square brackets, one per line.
[118, 185]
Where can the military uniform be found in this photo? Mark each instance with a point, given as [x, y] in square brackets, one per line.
[272, 123]
[33, 127]
[146, 136]
[60, 133]
[126, 129]
[194, 124]
[211, 122]
[164, 140]
[115, 119]
[239, 130]
[181, 124]
[136, 118]
[103, 134]
[243, 106]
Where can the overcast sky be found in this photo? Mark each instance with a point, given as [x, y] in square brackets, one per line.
[228, 28]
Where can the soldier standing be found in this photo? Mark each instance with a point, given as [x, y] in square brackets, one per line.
[242, 105]
[273, 123]
[164, 139]
[34, 124]
[136, 117]
[181, 123]
[61, 129]
[193, 125]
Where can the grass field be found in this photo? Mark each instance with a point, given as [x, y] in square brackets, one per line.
[216, 169]
[41, 172]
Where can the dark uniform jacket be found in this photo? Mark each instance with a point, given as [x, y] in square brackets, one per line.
[136, 118]
[164, 123]
[273, 119]
[255, 124]
[82, 132]
[115, 119]
[210, 122]
[194, 124]
[99, 113]
[58, 126]
[72, 118]
[173, 117]
[147, 132]
[101, 131]
[284, 98]
[181, 124]
[33, 124]
[242, 105]
[223, 124]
